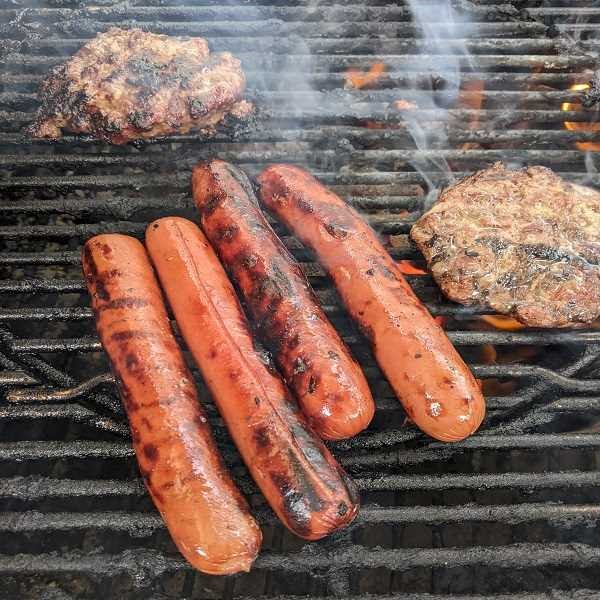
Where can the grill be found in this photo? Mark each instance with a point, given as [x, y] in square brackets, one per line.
[510, 513]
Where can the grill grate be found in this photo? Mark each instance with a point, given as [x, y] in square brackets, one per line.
[510, 513]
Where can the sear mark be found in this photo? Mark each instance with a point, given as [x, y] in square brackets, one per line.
[227, 233]
[336, 231]
[150, 452]
[119, 303]
[300, 365]
[305, 206]
[261, 437]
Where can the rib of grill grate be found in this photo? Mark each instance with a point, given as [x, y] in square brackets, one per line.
[508, 514]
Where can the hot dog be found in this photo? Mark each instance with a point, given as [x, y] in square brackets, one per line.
[207, 517]
[296, 473]
[329, 385]
[427, 374]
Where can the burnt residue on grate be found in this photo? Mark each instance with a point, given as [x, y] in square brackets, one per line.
[510, 513]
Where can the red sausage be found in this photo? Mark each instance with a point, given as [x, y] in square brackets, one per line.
[426, 372]
[296, 473]
[329, 385]
[205, 513]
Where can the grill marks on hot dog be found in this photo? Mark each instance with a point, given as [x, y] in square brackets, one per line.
[329, 385]
[205, 513]
[427, 374]
[296, 473]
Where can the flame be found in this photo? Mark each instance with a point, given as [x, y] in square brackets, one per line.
[502, 322]
[488, 354]
[375, 125]
[471, 97]
[357, 79]
[404, 105]
[408, 267]
[495, 387]
[577, 125]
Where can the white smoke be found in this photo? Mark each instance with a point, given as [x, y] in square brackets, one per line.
[443, 55]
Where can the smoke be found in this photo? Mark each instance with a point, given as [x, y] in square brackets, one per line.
[442, 54]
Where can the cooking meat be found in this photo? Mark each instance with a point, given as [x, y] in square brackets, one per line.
[523, 243]
[180, 463]
[436, 388]
[295, 471]
[128, 85]
[316, 364]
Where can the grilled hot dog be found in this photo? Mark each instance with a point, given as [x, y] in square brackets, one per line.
[329, 385]
[298, 476]
[204, 511]
[429, 377]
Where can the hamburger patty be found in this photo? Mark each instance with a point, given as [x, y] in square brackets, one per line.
[523, 243]
[128, 85]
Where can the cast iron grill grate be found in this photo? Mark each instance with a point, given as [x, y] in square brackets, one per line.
[510, 513]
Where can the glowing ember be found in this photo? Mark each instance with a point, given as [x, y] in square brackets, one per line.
[441, 321]
[408, 267]
[375, 125]
[404, 105]
[502, 322]
[489, 354]
[580, 125]
[471, 97]
[358, 79]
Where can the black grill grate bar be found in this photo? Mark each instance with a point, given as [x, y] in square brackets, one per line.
[82, 314]
[263, 29]
[397, 79]
[35, 488]
[320, 46]
[382, 112]
[459, 338]
[115, 183]
[141, 564]
[242, 13]
[50, 449]
[278, 153]
[357, 136]
[144, 525]
[35, 405]
[341, 62]
[120, 207]
[72, 412]
[40, 258]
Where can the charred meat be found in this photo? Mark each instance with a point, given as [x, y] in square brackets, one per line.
[129, 85]
[523, 243]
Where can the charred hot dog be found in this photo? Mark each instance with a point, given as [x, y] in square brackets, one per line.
[317, 366]
[205, 513]
[427, 374]
[298, 476]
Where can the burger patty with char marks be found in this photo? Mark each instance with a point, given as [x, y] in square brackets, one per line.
[127, 85]
[523, 243]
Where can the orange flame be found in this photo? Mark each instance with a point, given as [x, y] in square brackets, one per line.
[408, 267]
[580, 125]
[471, 97]
[404, 105]
[502, 322]
[357, 79]
[441, 321]
[488, 354]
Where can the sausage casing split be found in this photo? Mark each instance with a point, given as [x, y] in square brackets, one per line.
[318, 367]
[207, 517]
[436, 388]
[296, 473]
